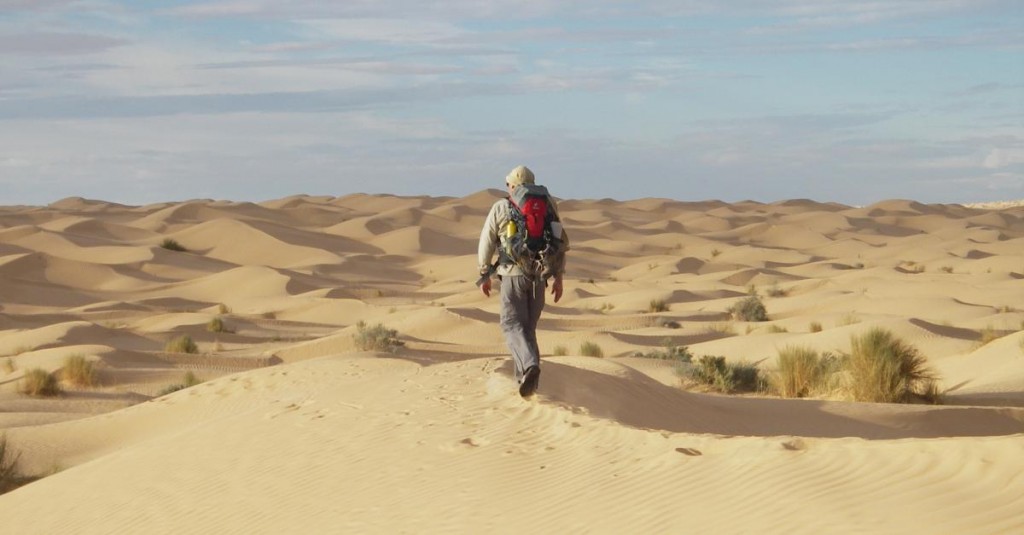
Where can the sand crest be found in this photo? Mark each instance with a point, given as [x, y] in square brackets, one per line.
[295, 429]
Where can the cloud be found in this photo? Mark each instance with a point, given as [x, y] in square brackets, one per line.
[55, 44]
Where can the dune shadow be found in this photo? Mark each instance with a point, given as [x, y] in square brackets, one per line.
[636, 400]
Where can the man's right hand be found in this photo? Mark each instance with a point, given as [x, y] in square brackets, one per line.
[485, 287]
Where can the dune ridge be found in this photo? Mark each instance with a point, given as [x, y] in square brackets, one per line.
[296, 429]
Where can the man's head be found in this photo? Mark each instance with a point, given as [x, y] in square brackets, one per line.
[519, 175]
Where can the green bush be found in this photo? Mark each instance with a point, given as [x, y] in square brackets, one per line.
[749, 309]
[79, 371]
[657, 305]
[377, 338]
[39, 382]
[172, 245]
[181, 344]
[590, 349]
[883, 368]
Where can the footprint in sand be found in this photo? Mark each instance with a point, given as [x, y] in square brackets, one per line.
[794, 445]
[474, 442]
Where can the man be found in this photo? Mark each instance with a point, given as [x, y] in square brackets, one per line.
[522, 283]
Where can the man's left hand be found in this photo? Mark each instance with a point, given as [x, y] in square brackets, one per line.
[556, 288]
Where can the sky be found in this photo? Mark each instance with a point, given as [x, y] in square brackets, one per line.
[249, 100]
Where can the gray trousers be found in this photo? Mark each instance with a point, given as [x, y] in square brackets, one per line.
[522, 301]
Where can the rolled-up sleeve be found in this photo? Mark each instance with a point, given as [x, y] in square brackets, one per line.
[488, 239]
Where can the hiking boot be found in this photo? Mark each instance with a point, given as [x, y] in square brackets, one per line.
[531, 379]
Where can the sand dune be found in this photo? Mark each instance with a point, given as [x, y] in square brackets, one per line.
[294, 429]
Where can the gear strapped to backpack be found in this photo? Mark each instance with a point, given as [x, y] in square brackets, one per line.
[532, 237]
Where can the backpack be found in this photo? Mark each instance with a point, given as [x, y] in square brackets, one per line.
[533, 234]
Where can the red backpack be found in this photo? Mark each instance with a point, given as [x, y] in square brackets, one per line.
[534, 242]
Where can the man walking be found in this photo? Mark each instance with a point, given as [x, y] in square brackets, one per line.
[526, 232]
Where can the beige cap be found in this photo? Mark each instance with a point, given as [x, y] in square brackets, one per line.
[519, 175]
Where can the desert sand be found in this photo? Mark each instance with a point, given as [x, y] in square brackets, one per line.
[294, 430]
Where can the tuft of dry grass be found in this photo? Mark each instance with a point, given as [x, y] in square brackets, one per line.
[665, 322]
[181, 344]
[884, 368]
[173, 245]
[657, 305]
[848, 319]
[223, 309]
[775, 291]
[801, 372]
[216, 325]
[720, 327]
[8, 466]
[591, 349]
[9, 366]
[988, 335]
[560, 351]
[376, 338]
[716, 373]
[815, 326]
[38, 382]
[79, 371]
[188, 381]
[749, 309]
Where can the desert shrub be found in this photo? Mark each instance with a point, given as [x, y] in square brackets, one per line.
[989, 334]
[39, 382]
[849, 319]
[377, 338]
[749, 309]
[181, 344]
[172, 245]
[79, 371]
[716, 373]
[946, 269]
[883, 368]
[223, 309]
[9, 366]
[776, 291]
[801, 372]
[670, 352]
[188, 381]
[746, 377]
[8, 466]
[216, 325]
[777, 329]
[590, 349]
[721, 327]
[815, 327]
[560, 351]
[657, 305]
[715, 253]
[665, 322]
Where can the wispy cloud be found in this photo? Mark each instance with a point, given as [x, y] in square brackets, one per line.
[55, 44]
